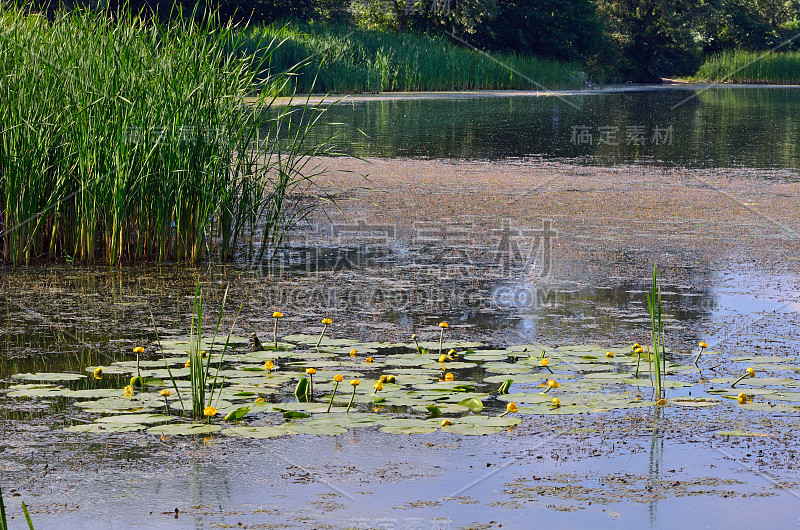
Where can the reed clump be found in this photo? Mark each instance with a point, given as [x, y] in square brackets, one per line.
[347, 60]
[125, 138]
[740, 66]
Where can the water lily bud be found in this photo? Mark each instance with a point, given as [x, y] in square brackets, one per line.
[355, 382]
[661, 402]
[390, 379]
[512, 407]
[751, 372]
[338, 378]
[327, 321]
[449, 376]
[556, 402]
[311, 371]
[269, 365]
[209, 411]
[446, 423]
[609, 354]
[544, 362]
[742, 398]
[378, 386]
[443, 325]
[165, 393]
[353, 352]
[138, 349]
[369, 360]
[127, 391]
[98, 373]
[277, 314]
[702, 345]
[552, 383]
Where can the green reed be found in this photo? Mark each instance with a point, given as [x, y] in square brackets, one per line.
[344, 60]
[126, 139]
[741, 66]
[657, 327]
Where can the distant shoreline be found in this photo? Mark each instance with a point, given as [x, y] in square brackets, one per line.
[671, 84]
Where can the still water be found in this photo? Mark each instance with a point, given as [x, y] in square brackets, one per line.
[717, 127]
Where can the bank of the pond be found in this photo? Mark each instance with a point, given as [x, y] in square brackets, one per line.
[343, 59]
[741, 66]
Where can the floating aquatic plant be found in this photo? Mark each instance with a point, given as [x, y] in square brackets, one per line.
[325, 322]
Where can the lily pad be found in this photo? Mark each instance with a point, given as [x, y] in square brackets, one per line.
[184, 429]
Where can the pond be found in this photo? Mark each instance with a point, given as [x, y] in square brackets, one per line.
[485, 214]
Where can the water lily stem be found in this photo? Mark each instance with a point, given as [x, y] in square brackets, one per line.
[275, 334]
[506, 412]
[742, 377]
[311, 386]
[351, 400]
[166, 405]
[332, 396]
[698, 356]
[441, 337]
[319, 340]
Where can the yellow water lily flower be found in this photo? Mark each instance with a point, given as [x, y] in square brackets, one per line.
[327, 321]
[353, 352]
[742, 398]
[512, 407]
[552, 383]
[369, 360]
[702, 344]
[383, 379]
[390, 379]
[260, 400]
[449, 376]
[639, 350]
[355, 382]
[277, 314]
[635, 346]
[188, 364]
[751, 371]
[544, 362]
[338, 378]
[165, 393]
[446, 423]
[98, 372]
[209, 411]
[378, 386]
[311, 371]
[556, 402]
[442, 358]
[269, 365]
[127, 391]
[138, 349]
[609, 354]
[443, 325]
[661, 402]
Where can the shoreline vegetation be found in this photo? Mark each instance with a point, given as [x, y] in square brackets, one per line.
[740, 66]
[343, 60]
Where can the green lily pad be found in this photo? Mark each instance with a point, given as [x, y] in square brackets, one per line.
[145, 419]
[409, 426]
[98, 428]
[694, 401]
[49, 377]
[184, 429]
[268, 431]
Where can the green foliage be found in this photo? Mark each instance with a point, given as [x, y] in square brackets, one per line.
[751, 67]
[344, 60]
[128, 139]
[658, 357]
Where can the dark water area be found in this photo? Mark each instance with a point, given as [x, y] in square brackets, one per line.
[693, 127]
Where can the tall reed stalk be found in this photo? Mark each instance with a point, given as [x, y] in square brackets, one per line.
[124, 138]
[659, 370]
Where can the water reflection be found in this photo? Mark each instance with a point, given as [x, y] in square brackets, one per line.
[719, 127]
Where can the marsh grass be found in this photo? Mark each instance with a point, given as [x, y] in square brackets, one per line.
[125, 139]
[739, 66]
[347, 60]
